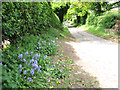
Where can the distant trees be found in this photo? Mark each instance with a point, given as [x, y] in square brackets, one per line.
[60, 9]
[82, 9]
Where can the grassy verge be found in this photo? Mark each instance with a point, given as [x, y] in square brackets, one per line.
[29, 64]
[99, 31]
[77, 77]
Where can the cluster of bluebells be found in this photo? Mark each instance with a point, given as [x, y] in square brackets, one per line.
[33, 63]
[44, 43]
[53, 41]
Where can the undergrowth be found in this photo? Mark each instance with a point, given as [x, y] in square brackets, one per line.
[27, 64]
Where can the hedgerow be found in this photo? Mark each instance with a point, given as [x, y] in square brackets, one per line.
[106, 21]
[19, 18]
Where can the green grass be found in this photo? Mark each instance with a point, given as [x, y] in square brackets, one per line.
[48, 75]
[99, 31]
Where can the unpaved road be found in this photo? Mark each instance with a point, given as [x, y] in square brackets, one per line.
[98, 57]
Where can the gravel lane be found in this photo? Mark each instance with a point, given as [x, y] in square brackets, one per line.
[97, 56]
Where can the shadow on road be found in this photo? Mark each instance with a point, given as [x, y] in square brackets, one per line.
[71, 26]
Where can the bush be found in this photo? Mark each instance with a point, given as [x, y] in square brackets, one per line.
[19, 18]
[106, 21]
[90, 20]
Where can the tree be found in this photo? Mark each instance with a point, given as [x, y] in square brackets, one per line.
[60, 9]
[80, 9]
[101, 7]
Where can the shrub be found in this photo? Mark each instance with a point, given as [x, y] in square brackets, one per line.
[90, 20]
[106, 21]
[19, 18]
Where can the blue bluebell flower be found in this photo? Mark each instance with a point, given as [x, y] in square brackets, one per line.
[31, 52]
[40, 71]
[20, 70]
[20, 66]
[52, 66]
[49, 44]
[39, 47]
[39, 55]
[25, 72]
[32, 60]
[60, 70]
[54, 44]
[32, 72]
[20, 75]
[24, 76]
[36, 55]
[5, 65]
[24, 60]
[42, 43]
[35, 62]
[36, 58]
[20, 56]
[26, 53]
[28, 63]
[34, 77]
[53, 41]
[30, 79]
[33, 57]
[0, 62]
[39, 66]
[36, 66]
[45, 57]
[39, 43]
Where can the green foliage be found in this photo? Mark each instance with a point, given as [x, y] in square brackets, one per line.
[32, 52]
[106, 21]
[90, 20]
[60, 9]
[19, 18]
[100, 32]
